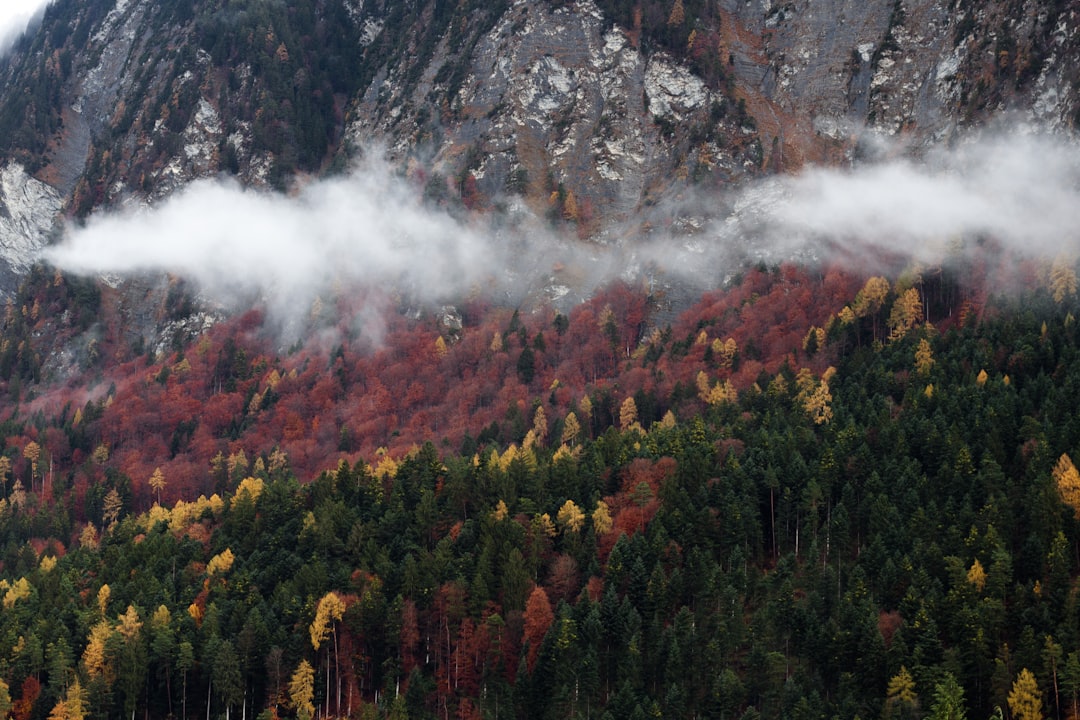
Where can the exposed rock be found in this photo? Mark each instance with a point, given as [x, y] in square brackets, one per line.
[28, 212]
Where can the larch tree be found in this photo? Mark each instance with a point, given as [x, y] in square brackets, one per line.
[628, 414]
[601, 517]
[302, 691]
[907, 312]
[5, 700]
[571, 429]
[1067, 479]
[924, 358]
[71, 707]
[1063, 282]
[111, 507]
[901, 701]
[1025, 700]
[157, 483]
[132, 658]
[329, 610]
[976, 575]
[540, 427]
[95, 658]
[570, 517]
[5, 470]
[32, 452]
[677, 16]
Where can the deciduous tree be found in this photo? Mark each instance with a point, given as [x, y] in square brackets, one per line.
[1067, 478]
[538, 618]
[302, 691]
[1025, 700]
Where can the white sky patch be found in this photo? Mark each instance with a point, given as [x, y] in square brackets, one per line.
[14, 17]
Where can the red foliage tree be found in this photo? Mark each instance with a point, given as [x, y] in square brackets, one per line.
[538, 618]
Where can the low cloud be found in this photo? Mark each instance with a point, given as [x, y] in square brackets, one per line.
[1021, 191]
[15, 17]
[370, 227]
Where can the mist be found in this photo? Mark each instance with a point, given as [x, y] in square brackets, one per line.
[371, 228]
[1022, 191]
[15, 18]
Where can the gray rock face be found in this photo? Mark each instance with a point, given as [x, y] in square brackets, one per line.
[560, 100]
[28, 210]
[923, 68]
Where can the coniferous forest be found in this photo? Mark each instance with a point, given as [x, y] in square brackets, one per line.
[812, 494]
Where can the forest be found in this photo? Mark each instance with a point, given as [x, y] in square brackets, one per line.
[814, 493]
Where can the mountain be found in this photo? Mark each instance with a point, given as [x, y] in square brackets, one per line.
[413, 359]
[594, 113]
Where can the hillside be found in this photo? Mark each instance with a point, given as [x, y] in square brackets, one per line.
[544, 359]
[754, 512]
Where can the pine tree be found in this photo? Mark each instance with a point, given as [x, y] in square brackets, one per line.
[948, 700]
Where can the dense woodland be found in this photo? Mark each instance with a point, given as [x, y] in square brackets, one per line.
[813, 494]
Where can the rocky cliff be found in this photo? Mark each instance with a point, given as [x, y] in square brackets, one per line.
[593, 111]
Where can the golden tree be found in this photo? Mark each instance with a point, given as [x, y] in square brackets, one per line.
[976, 575]
[540, 428]
[628, 414]
[103, 595]
[1068, 483]
[900, 697]
[601, 518]
[1025, 700]
[302, 691]
[5, 700]
[129, 624]
[570, 516]
[157, 483]
[678, 14]
[72, 706]
[329, 610]
[220, 563]
[571, 429]
[907, 312]
[5, 470]
[95, 658]
[111, 507]
[32, 452]
[924, 358]
[1062, 279]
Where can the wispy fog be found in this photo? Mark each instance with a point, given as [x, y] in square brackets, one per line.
[1022, 191]
[371, 227]
[15, 15]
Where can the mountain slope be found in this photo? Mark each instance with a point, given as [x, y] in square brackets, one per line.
[612, 106]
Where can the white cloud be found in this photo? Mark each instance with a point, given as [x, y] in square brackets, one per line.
[371, 228]
[1021, 191]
